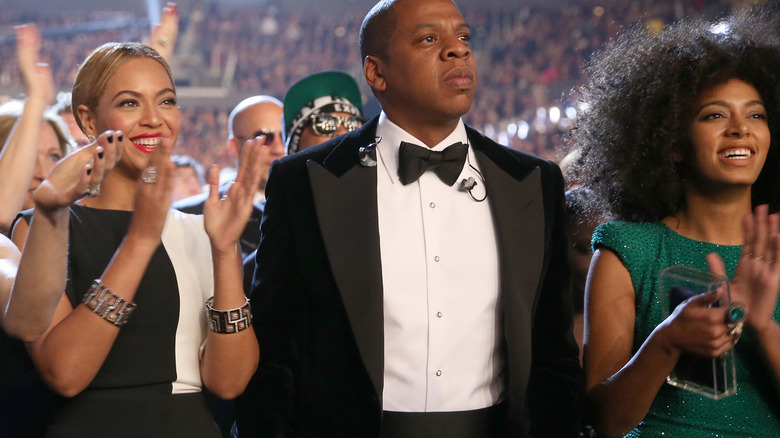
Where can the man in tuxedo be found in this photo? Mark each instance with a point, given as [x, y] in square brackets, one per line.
[253, 117]
[411, 279]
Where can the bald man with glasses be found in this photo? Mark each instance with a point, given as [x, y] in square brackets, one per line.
[256, 116]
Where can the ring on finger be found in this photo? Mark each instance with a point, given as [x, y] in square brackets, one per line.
[735, 330]
[92, 191]
[735, 314]
[149, 175]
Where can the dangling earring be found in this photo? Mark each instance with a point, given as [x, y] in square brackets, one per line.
[91, 138]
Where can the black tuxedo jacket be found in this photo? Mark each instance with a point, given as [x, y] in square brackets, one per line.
[251, 235]
[317, 296]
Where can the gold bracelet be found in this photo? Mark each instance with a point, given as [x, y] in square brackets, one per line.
[108, 306]
[229, 321]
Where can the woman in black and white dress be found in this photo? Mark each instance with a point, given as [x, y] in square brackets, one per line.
[174, 279]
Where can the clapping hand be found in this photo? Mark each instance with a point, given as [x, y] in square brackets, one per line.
[153, 196]
[226, 218]
[81, 169]
[757, 276]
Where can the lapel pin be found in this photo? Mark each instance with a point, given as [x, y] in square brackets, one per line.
[367, 154]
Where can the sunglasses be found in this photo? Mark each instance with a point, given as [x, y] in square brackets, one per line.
[326, 124]
[268, 136]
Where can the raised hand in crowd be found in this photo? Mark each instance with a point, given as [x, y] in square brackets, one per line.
[163, 35]
[31, 146]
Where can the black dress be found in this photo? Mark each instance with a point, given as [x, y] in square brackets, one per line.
[149, 384]
[26, 403]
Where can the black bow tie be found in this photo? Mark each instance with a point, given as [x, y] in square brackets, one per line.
[415, 160]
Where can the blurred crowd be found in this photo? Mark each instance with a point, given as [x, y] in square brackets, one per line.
[647, 156]
[529, 58]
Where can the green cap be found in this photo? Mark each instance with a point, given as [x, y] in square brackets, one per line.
[300, 99]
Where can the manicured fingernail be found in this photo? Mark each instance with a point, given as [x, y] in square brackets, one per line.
[89, 171]
[120, 138]
[100, 155]
[110, 138]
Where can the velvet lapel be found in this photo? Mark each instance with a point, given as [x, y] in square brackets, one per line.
[345, 200]
[516, 202]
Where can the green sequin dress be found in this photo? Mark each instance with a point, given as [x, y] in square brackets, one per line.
[754, 411]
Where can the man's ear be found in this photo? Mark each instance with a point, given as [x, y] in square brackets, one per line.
[234, 147]
[87, 121]
[373, 71]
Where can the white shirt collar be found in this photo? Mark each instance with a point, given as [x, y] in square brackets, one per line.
[392, 135]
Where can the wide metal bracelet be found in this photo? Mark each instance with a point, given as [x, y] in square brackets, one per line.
[108, 306]
[228, 321]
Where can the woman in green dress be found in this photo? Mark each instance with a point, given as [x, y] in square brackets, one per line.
[675, 129]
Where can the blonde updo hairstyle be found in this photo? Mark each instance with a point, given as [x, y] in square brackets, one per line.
[100, 66]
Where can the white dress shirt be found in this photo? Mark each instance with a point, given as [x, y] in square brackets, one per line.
[441, 280]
